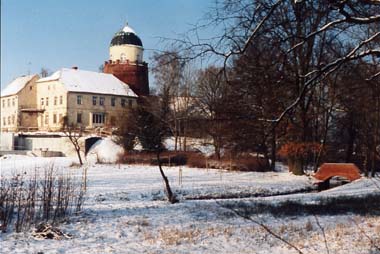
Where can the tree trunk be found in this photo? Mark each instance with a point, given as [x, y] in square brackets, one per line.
[376, 134]
[296, 166]
[175, 139]
[79, 156]
[351, 141]
[184, 138]
[273, 151]
[216, 147]
[322, 147]
[171, 197]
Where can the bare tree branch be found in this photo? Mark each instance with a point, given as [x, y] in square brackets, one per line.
[323, 233]
[328, 69]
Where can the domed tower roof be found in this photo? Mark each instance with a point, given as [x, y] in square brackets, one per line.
[126, 36]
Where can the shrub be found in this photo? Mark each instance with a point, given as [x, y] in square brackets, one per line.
[27, 200]
[196, 160]
[243, 162]
[167, 158]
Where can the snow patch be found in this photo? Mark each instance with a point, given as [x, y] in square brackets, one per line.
[105, 151]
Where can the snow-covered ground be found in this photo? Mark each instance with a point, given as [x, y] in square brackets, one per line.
[125, 212]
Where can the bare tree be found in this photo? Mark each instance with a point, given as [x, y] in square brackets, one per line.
[74, 133]
[151, 128]
[211, 97]
[241, 22]
[44, 72]
[168, 72]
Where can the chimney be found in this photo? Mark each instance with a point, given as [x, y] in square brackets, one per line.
[74, 67]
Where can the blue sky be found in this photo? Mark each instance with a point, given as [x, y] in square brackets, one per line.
[65, 33]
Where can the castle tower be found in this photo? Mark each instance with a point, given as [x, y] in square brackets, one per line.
[126, 60]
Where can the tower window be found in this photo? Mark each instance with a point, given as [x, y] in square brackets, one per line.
[123, 57]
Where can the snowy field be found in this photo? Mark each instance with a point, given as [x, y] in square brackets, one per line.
[125, 212]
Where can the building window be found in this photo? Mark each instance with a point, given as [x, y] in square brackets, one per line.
[13, 119]
[101, 101]
[13, 102]
[9, 120]
[98, 118]
[9, 102]
[60, 118]
[123, 103]
[54, 118]
[42, 101]
[79, 117]
[47, 119]
[55, 100]
[79, 99]
[113, 101]
[30, 88]
[130, 103]
[94, 99]
[3, 103]
[60, 100]
[4, 121]
[47, 101]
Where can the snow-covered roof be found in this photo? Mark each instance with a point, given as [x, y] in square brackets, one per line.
[128, 29]
[16, 85]
[76, 80]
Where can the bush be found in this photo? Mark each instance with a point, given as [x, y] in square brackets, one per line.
[150, 158]
[243, 162]
[196, 160]
[27, 200]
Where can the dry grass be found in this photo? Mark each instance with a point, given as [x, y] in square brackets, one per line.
[186, 235]
[26, 200]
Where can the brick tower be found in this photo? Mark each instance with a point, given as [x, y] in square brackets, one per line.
[126, 61]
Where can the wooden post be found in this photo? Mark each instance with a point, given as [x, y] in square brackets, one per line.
[180, 176]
